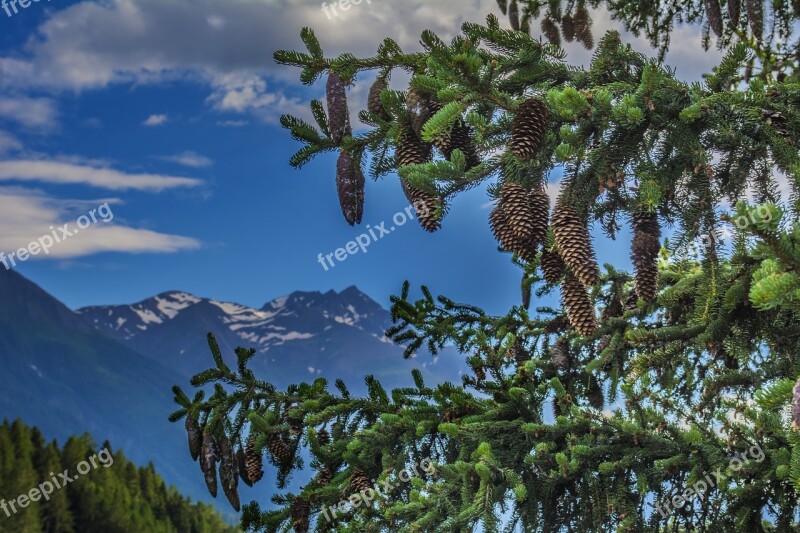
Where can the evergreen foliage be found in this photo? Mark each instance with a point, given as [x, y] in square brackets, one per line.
[118, 498]
[649, 392]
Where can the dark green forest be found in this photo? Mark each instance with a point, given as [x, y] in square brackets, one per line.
[120, 497]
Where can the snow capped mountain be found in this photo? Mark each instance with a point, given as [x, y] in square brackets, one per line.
[304, 334]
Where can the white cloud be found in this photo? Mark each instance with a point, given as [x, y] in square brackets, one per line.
[155, 120]
[232, 123]
[189, 159]
[102, 177]
[32, 113]
[28, 215]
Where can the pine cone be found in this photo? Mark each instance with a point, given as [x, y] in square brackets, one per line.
[644, 254]
[427, 206]
[460, 137]
[359, 481]
[518, 352]
[338, 113]
[552, 267]
[208, 463]
[279, 450]
[550, 31]
[253, 461]
[505, 236]
[479, 370]
[350, 185]
[513, 15]
[583, 27]
[558, 324]
[559, 352]
[755, 14]
[323, 437]
[580, 310]
[241, 463]
[526, 292]
[293, 417]
[595, 394]
[411, 150]
[528, 128]
[734, 12]
[568, 28]
[420, 108]
[195, 436]
[228, 474]
[324, 476]
[374, 104]
[300, 511]
[632, 302]
[714, 16]
[574, 244]
[540, 207]
[515, 204]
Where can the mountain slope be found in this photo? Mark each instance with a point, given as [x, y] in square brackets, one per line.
[65, 377]
[298, 337]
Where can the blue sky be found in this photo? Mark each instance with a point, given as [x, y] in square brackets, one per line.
[168, 111]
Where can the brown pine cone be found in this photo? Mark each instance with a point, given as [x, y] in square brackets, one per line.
[580, 310]
[241, 463]
[279, 450]
[528, 128]
[359, 481]
[228, 474]
[515, 203]
[253, 461]
[552, 267]
[208, 463]
[300, 512]
[350, 184]
[574, 244]
[195, 436]
[374, 104]
[644, 254]
[338, 113]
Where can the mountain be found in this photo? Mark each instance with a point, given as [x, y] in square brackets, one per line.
[298, 337]
[62, 375]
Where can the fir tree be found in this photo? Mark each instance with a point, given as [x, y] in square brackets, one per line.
[694, 371]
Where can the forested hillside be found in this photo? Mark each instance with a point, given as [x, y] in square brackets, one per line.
[114, 496]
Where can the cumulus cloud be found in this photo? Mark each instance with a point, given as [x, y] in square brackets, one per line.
[28, 215]
[66, 173]
[155, 120]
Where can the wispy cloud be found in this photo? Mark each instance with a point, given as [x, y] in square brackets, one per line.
[101, 177]
[32, 113]
[155, 120]
[26, 215]
[189, 159]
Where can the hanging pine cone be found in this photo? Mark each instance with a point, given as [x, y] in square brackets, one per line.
[323, 437]
[513, 15]
[526, 292]
[580, 310]
[568, 28]
[518, 353]
[279, 450]
[359, 481]
[558, 324]
[427, 206]
[632, 302]
[324, 476]
[734, 12]
[253, 461]
[350, 186]
[300, 512]
[515, 204]
[755, 15]
[501, 229]
[644, 254]
[228, 474]
[293, 417]
[195, 436]
[374, 104]
[714, 16]
[574, 244]
[595, 394]
[241, 463]
[208, 463]
[550, 31]
[796, 406]
[411, 150]
[460, 137]
[552, 267]
[559, 353]
[528, 128]
[583, 27]
[338, 113]
[420, 108]
[540, 207]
